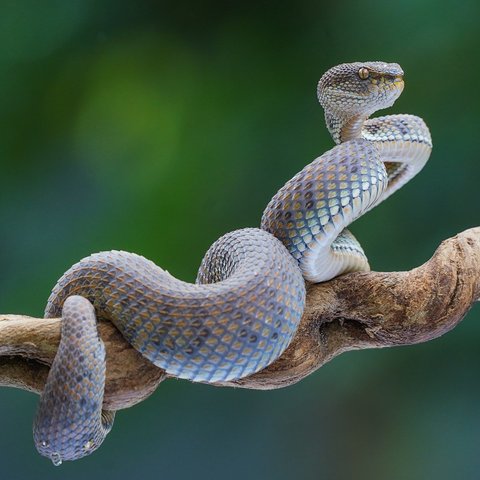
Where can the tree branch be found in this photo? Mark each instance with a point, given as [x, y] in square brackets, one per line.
[351, 312]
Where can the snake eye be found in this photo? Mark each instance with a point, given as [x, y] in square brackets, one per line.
[363, 73]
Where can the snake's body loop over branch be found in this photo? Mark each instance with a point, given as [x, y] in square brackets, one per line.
[250, 293]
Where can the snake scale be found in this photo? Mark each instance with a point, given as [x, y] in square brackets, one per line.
[249, 296]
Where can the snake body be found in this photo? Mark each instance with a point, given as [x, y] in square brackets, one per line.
[249, 295]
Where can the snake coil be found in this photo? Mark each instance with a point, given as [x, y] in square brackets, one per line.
[247, 302]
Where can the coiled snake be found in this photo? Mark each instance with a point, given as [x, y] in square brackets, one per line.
[250, 292]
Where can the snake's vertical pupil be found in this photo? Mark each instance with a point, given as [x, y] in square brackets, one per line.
[363, 73]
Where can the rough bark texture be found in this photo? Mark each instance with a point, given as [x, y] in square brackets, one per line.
[352, 312]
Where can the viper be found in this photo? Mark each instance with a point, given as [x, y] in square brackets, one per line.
[248, 299]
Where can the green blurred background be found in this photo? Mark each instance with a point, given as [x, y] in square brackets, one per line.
[155, 127]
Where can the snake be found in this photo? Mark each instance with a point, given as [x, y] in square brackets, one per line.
[248, 299]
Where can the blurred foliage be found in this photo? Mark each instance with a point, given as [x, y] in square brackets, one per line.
[157, 126]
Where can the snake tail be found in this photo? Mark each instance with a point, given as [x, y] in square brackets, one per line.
[70, 422]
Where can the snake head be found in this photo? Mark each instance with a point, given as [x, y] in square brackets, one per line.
[360, 88]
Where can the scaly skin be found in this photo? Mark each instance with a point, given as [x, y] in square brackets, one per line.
[250, 293]
[207, 332]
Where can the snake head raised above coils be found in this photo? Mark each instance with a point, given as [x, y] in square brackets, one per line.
[360, 88]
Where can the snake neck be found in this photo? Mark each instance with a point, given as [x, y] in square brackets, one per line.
[343, 127]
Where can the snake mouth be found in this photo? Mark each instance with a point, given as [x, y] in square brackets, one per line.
[398, 81]
[395, 80]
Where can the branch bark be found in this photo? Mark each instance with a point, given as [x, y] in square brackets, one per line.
[351, 312]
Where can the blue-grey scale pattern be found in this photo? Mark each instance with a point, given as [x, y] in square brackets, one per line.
[207, 332]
